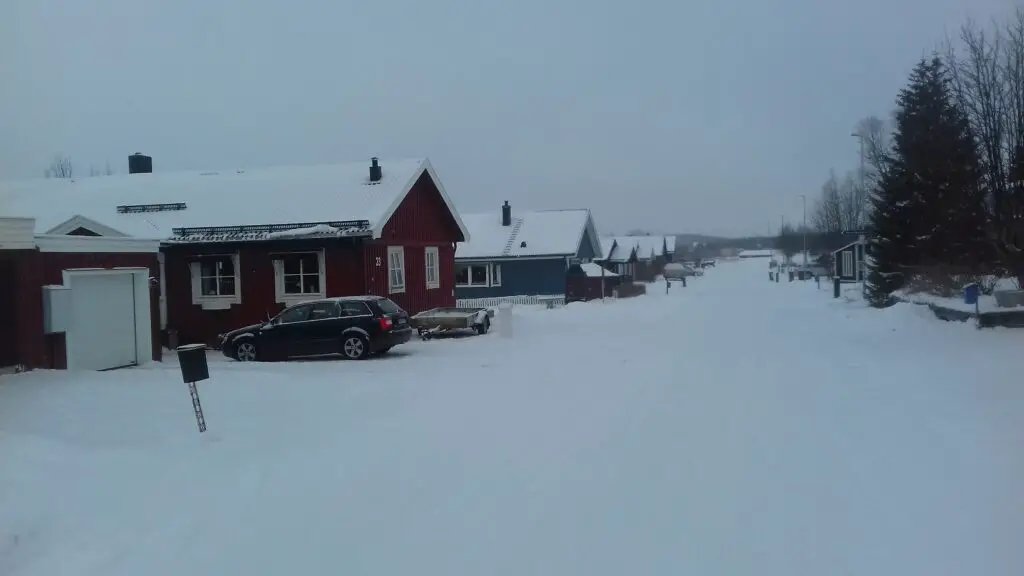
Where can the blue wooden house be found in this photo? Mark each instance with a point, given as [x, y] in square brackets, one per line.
[522, 253]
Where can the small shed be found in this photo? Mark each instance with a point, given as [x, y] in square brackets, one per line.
[589, 281]
[848, 262]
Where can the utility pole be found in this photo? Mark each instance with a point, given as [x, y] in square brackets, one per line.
[863, 172]
[863, 187]
[803, 197]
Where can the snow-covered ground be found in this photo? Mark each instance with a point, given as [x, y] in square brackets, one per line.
[667, 434]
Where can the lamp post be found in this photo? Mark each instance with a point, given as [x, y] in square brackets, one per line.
[863, 188]
[803, 198]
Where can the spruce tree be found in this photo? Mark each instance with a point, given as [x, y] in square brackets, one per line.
[928, 209]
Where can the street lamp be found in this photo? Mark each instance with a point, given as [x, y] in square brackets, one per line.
[803, 198]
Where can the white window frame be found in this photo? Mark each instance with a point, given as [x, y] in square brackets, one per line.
[431, 267]
[214, 301]
[848, 264]
[283, 297]
[493, 274]
[396, 263]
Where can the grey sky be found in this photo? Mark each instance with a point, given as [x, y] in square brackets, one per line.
[700, 116]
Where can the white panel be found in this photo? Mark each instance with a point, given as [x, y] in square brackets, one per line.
[103, 330]
[56, 309]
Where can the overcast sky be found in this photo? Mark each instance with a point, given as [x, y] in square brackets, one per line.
[707, 116]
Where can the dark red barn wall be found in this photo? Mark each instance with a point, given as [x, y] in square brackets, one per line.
[343, 275]
[421, 220]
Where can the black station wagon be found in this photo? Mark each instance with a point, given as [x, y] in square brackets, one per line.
[354, 326]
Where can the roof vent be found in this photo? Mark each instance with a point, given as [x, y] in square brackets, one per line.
[522, 244]
[506, 214]
[375, 171]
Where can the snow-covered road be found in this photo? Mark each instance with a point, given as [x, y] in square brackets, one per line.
[732, 427]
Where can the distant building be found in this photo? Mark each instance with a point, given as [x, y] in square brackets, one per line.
[512, 254]
[756, 253]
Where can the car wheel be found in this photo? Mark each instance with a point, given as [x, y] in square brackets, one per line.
[245, 351]
[355, 346]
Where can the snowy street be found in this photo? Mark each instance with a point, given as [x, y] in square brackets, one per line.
[731, 427]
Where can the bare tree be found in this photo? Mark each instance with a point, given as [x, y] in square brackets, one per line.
[108, 170]
[853, 198]
[827, 213]
[987, 78]
[877, 137]
[60, 167]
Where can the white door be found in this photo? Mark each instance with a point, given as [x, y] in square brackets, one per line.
[102, 334]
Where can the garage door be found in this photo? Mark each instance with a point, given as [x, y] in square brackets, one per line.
[102, 334]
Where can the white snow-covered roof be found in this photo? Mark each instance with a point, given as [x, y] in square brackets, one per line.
[647, 247]
[595, 271]
[756, 253]
[607, 245]
[531, 234]
[670, 243]
[305, 195]
[613, 251]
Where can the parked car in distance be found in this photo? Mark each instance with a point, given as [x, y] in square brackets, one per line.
[677, 271]
[354, 326]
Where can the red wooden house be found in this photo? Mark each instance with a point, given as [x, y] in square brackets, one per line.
[75, 301]
[240, 245]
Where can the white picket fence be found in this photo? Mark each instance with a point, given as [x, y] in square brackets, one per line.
[559, 300]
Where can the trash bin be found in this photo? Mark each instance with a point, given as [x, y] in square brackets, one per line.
[192, 359]
[971, 293]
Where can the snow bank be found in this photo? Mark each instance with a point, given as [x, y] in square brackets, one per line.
[663, 434]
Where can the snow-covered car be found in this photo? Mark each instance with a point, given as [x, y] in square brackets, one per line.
[677, 271]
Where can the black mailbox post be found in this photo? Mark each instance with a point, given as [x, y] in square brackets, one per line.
[192, 359]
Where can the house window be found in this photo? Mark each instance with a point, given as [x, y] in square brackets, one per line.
[396, 269]
[217, 276]
[477, 275]
[299, 276]
[430, 260]
[495, 274]
[215, 281]
[847, 263]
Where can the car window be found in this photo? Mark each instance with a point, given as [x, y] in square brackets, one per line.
[388, 307]
[296, 314]
[323, 310]
[354, 308]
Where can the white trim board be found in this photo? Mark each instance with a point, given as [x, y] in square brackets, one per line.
[96, 244]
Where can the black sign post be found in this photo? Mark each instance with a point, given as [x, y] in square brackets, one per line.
[192, 359]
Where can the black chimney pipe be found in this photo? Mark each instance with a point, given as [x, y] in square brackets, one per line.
[375, 171]
[506, 214]
[139, 163]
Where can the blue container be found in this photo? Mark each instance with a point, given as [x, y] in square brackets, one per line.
[971, 293]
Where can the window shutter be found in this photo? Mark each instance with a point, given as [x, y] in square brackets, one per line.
[196, 282]
[278, 279]
[323, 271]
